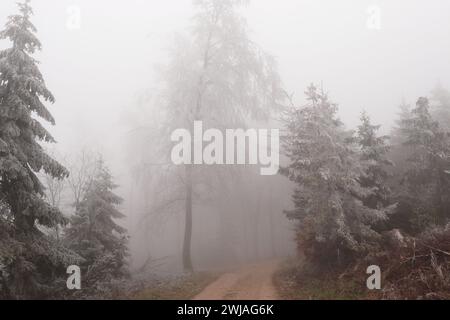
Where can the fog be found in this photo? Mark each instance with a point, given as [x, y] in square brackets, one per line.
[104, 71]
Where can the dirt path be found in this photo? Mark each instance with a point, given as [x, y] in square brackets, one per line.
[253, 282]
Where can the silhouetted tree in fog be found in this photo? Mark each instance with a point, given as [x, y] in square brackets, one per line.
[82, 171]
[219, 76]
[440, 107]
[426, 179]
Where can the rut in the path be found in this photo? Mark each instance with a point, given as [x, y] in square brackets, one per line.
[253, 282]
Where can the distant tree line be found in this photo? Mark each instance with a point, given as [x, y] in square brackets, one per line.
[354, 187]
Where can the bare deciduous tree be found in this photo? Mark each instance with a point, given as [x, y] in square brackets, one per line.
[82, 172]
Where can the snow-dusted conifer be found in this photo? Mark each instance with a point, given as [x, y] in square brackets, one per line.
[95, 235]
[334, 225]
[374, 150]
[30, 261]
[427, 179]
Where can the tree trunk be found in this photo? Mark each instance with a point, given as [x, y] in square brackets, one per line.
[187, 261]
[256, 228]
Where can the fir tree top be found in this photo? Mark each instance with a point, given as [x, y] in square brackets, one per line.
[20, 30]
[374, 147]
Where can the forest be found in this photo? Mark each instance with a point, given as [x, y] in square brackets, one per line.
[275, 193]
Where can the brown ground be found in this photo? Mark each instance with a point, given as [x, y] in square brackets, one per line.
[253, 282]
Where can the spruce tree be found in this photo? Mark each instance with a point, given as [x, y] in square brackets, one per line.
[399, 153]
[397, 132]
[29, 260]
[374, 150]
[440, 109]
[94, 234]
[426, 179]
[334, 224]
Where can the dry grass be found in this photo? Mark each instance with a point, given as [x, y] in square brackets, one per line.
[181, 288]
[295, 282]
[418, 268]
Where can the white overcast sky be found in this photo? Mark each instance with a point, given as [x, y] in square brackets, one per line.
[96, 71]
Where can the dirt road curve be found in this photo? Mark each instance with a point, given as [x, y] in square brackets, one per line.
[253, 282]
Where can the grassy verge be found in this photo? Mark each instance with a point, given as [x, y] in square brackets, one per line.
[294, 282]
[182, 288]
